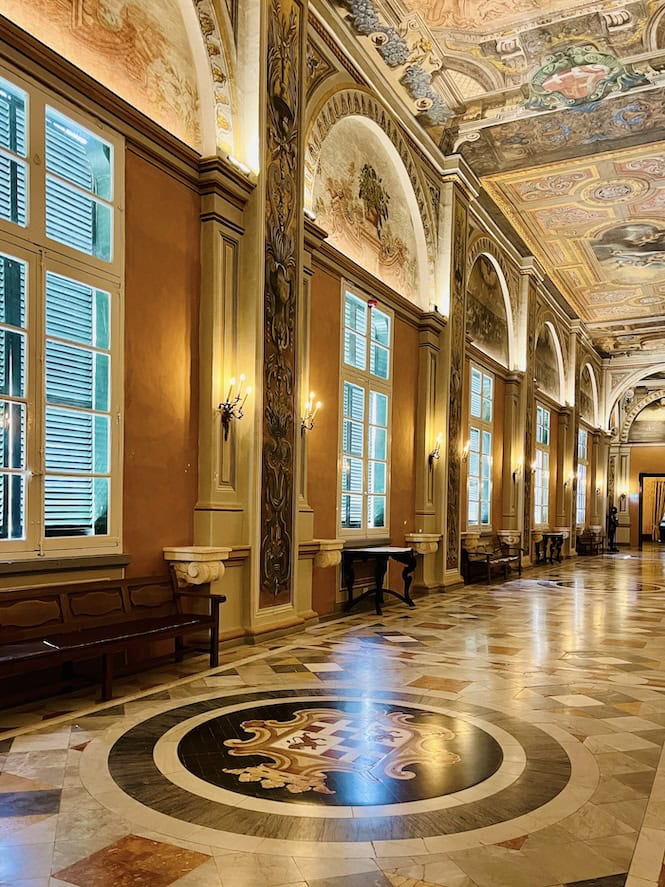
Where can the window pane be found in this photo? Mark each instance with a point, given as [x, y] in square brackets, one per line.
[378, 409]
[352, 475]
[380, 327]
[377, 477]
[12, 506]
[376, 512]
[352, 507]
[76, 311]
[77, 441]
[378, 443]
[355, 347]
[486, 466]
[12, 291]
[484, 513]
[487, 443]
[76, 506]
[74, 153]
[474, 439]
[353, 438]
[474, 488]
[12, 117]
[487, 410]
[77, 220]
[487, 387]
[473, 512]
[102, 382]
[355, 314]
[69, 375]
[13, 190]
[379, 362]
[474, 463]
[354, 401]
[12, 435]
[12, 363]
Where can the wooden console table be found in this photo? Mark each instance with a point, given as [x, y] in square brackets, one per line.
[555, 542]
[380, 554]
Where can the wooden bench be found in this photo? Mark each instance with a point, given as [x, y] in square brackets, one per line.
[590, 542]
[60, 624]
[488, 556]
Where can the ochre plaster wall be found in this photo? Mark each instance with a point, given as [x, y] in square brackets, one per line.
[643, 460]
[162, 281]
[325, 295]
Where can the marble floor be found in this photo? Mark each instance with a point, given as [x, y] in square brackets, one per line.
[496, 736]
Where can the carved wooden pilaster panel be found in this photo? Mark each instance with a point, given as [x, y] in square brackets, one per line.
[283, 268]
[457, 341]
[528, 418]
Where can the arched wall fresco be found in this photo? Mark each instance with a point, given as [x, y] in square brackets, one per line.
[648, 426]
[164, 57]
[486, 320]
[363, 198]
[624, 384]
[484, 246]
[637, 409]
[588, 394]
[358, 103]
[549, 369]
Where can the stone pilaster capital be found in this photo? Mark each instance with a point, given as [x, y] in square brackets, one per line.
[423, 543]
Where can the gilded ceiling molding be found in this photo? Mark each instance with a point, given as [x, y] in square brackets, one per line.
[223, 84]
[632, 413]
[358, 103]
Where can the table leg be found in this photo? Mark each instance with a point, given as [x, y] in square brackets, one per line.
[407, 576]
[349, 579]
[379, 573]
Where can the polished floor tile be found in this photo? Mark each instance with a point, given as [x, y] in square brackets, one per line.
[501, 736]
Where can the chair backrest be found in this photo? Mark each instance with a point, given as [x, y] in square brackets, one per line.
[29, 613]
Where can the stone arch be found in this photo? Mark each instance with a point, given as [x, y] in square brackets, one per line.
[594, 388]
[547, 322]
[637, 408]
[628, 381]
[217, 33]
[485, 246]
[355, 102]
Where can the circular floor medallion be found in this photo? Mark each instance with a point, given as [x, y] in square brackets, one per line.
[340, 753]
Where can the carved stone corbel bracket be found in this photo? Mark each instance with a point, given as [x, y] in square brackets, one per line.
[196, 564]
[329, 553]
[423, 543]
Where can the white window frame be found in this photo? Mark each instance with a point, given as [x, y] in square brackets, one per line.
[480, 443]
[31, 245]
[581, 498]
[541, 465]
[369, 383]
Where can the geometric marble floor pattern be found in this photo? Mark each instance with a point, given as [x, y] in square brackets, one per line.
[495, 736]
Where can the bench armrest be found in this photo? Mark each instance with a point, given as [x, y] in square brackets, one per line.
[215, 598]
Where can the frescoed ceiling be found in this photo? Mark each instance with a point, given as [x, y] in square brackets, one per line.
[598, 225]
[559, 107]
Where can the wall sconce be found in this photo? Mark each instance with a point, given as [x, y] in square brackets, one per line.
[597, 491]
[534, 468]
[622, 500]
[568, 481]
[232, 407]
[517, 470]
[435, 455]
[311, 409]
[465, 451]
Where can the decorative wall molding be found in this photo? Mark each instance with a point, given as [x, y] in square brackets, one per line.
[636, 408]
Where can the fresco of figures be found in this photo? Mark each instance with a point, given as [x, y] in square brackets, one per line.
[547, 366]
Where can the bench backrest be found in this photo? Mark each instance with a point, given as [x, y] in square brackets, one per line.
[29, 613]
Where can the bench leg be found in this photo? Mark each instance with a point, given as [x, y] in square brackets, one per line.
[179, 648]
[214, 644]
[107, 677]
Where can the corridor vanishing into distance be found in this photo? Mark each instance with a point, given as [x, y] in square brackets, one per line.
[495, 736]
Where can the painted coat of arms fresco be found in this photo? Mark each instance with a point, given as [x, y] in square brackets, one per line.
[578, 75]
[302, 750]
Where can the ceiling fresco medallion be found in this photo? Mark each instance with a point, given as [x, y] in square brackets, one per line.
[346, 753]
[578, 75]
